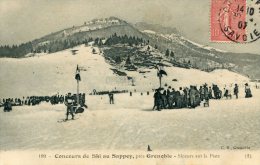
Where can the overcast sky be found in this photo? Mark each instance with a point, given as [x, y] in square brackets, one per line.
[25, 20]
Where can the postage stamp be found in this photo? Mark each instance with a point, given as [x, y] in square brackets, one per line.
[235, 21]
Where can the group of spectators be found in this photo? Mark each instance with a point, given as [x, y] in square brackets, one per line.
[191, 97]
[36, 100]
[187, 97]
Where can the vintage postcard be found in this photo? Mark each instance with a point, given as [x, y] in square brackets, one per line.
[130, 82]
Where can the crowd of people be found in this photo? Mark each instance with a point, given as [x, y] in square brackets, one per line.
[36, 100]
[191, 97]
[169, 98]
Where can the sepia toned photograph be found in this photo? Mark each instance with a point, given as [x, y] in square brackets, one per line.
[120, 75]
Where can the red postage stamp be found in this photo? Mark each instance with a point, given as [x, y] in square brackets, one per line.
[235, 20]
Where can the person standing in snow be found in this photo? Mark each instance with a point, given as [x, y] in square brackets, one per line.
[164, 99]
[111, 97]
[248, 91]
[197, 97]
[210, 93]
[185, 97]
[236, 91]
[171, 98]
[206, 92]
[201, 90]
[206, 95]
[167, 95]
[192, 97]
[157, 99]
[215, 91]
[69, 103]
[7, 105]
[179, 96]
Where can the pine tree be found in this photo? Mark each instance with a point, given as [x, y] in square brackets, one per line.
[99, 42]
[128, 60]
[118, 59]
[90, 39]
[172, 54]
[167, 53]
[96, 41]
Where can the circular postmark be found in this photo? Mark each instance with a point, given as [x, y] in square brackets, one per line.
[239, 20]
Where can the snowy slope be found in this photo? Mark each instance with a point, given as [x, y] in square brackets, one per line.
[187, 77]
[52, 73]
[48, 74]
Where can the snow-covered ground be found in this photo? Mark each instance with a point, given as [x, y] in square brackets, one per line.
[48, 74]
[54, 73]
[131, 124]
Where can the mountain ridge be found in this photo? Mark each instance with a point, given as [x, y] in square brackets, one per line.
[163, 38]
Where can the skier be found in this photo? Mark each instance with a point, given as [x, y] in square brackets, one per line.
[69, 103]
